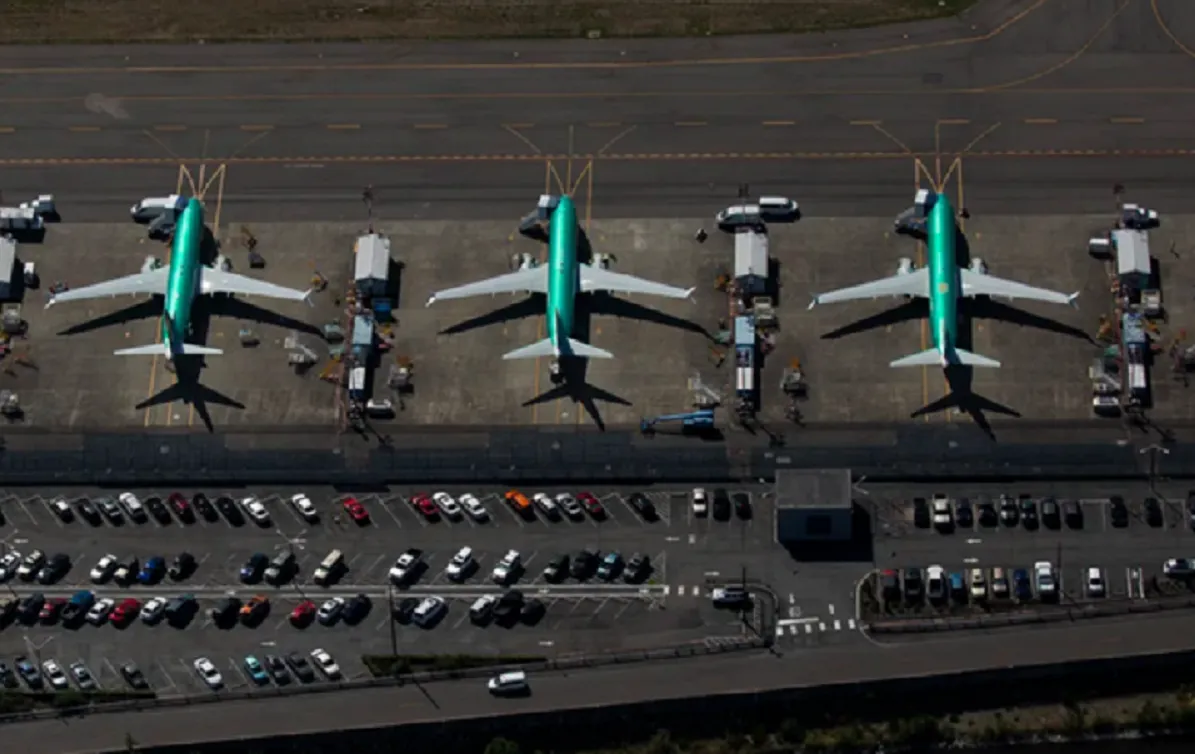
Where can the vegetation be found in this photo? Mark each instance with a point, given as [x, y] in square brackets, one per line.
[387, 666]
[22, 701]
[124, 21]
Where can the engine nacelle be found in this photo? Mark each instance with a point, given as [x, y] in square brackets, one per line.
[905, 266]
[977, 266]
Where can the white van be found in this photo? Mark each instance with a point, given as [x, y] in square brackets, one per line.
[133, 506]
[429, 611]
[329, 568]
[514, 682]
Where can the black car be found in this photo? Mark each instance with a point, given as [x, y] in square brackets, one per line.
[1028, 511]
[890, 585]
[742, 505]
[638, 569]
[254, 568]
[921, 517]
[585, 564]
[28, 672]
[509, 606]
[404, 609]
[1073, 513]
[300, 667]
[1118, 512]
[1153, 512]
[7, 678]
[200, 503]
[8, 610]
[180, 610]
[30, 608]
[356, 609]
[556, 570]
[988, 517]
[225, 612]
[964, 517]
[182, 567]
[54, 569]
[1051, 514]
[158, 510]
[641, 505]
[914, 585]
[1191, 509]
[277, 670]
[533, 611]
[230, 511]
[721, 504]
[88, 512]
[133, 676]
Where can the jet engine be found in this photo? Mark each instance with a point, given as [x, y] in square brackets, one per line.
[905, 266]
[977, 266]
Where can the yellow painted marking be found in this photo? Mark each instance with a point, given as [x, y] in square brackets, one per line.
[867, 122]
[84, 129]
[343, 127]
[424, 126]
[780, 123]
[1040, 121]
[1128, 120]
[7, 129]
[954, 121]
[690, 123]
[170, 128]
[257, 127]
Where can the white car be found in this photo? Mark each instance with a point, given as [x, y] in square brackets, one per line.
[979, 585]
[55, 675]
[256, 510]
[103, 569]
[62, 509]
[460, 565]
[447, 504]
[935, 583]
[700, 503]
[100, 610]
[133, 506]
[514, 682]
[429, 611]
[83, 676]
[942, 513]
[153, 609]
[31, 564]
[547, 505]
[305, 508]
[474, 507]
[9, 564]
[1095, 582]
[1046, 586]
[506, 568]
[406, 567]
[325, 663]
[570, 506]
[330, 611]
[207, 671]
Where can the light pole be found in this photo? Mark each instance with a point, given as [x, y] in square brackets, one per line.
[390, 620]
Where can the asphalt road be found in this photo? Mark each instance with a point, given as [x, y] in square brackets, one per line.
[1047, 103]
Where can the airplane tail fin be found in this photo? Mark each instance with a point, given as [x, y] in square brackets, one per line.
[164, 349]
[546, 347]
[934, 357]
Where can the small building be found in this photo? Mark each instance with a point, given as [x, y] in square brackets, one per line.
[751, 262]
[8, 267]
[362, 340]
[372, 269]
[814, 506]
[744, 357]
[1132, 258]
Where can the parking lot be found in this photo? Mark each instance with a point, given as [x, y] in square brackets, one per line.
[688, 556]
[1118, 541]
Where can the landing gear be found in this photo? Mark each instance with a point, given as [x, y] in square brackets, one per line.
[554, 372]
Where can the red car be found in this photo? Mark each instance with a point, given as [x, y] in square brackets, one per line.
[356, 510]
[125, 612]
[303, 613]
[51, 610]
[591, 505]
[181, 507]
[426, 506]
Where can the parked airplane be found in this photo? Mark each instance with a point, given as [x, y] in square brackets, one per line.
[562, 278]
[180, 282]
[943, 283]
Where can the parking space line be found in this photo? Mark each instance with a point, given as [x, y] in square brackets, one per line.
[626, 606]
[50, 511]
[189, 671]
[385, 505]
[28, 513]
[463, 618]
[377, 561]
[239, 672]
[290, 508]
[111, 668]
[166, 674]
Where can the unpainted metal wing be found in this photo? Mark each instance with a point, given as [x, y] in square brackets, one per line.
[915, 283]
[534, 280]
[145, 283]
[218, 281]
[975, 284]
[597, 279]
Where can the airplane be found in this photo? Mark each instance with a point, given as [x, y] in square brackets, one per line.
[943, 282]
[561, 279]
[179, 283]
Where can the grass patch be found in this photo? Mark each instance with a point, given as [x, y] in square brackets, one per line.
[24, 701]
[125, 21]
[387, 666]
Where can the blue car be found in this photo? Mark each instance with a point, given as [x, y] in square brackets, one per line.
[152, 571]
[1021, 585]
[255, 670]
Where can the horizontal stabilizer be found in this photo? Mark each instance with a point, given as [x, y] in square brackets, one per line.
[163, 349]
[546, 347]
[966, 358]
[934, 357]
[924, 359]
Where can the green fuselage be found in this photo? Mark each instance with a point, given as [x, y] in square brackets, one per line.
[943, 275]
[183, 280]
[563, 274]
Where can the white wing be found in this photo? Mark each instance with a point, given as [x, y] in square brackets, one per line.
[597, 279]
[916, 283]
[218, 281]
[975, 284]
[144, 283]
[534, 280]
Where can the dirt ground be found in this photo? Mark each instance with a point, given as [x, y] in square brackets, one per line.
[92, 21]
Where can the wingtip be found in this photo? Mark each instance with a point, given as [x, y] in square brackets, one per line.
[812, 303]
[430, 301]
[1073, 299]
